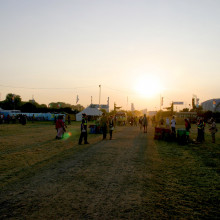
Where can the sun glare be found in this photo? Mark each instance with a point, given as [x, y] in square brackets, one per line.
[147, 86]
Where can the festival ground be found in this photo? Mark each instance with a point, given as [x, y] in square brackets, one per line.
[132, 176]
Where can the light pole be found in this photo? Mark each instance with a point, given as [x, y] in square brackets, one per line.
[99, 94]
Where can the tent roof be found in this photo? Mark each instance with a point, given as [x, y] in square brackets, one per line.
[90, 112]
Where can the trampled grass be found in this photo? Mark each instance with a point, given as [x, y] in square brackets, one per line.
[177, 181]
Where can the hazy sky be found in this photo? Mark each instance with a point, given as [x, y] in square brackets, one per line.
[55, 50]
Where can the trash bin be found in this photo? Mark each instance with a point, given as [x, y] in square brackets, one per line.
[158, 134]
[181, 136]
[167, 134]
[92, 129]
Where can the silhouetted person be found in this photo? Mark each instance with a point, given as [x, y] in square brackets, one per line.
[83, 134]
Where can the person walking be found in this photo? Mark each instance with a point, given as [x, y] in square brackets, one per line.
[213, 129]
[83, 134]
[111, 126]
[145, 123]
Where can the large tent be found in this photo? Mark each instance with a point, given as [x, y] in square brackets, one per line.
[91, 112]
[211, 105]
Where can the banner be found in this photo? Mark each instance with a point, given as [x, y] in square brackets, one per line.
[178, 103]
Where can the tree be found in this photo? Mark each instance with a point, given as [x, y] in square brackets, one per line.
[12, 101]
[28, 107]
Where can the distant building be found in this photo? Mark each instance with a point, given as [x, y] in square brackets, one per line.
[106, 107]
[151, 113]
[144, 111]
[211, 105]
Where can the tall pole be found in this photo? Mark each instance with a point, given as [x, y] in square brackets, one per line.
[108, 103]
[99, 94]
[160, 101]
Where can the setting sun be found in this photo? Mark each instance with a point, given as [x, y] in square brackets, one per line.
[147, 86]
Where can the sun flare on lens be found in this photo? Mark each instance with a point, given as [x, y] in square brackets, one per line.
[147, 86]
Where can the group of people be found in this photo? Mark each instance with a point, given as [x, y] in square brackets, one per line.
[106, 123]
[143, 123]
[22, 119]
[201, 129]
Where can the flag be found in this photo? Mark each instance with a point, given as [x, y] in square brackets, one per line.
[77, 99]
[13, 98]
[214, 103]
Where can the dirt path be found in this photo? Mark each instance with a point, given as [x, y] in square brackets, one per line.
[108, 180]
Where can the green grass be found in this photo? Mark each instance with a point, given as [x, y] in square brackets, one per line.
[178, 180]
[191, 176]
[26, 149]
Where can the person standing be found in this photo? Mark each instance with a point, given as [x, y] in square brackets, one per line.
[69, 120]
[60, 127]
[111, 126]
[104, 125]
[187, 126]
[33, 118]
[200, 130]
[173, 126]
[83, 134]
[145, 123]
[213, 129]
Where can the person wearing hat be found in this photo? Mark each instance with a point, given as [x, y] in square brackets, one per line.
[83, 134]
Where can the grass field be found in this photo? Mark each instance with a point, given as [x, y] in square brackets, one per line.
[191, 174]
[26, 149]
[178, 181]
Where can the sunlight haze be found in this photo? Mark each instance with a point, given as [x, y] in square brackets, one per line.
[136, 50]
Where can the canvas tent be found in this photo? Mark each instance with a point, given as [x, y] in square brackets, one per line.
[91, 112]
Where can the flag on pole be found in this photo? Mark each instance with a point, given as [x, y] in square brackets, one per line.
[77, 99]
[214, 103]
[13, 98]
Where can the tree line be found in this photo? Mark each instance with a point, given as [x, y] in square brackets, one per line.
[14, 102]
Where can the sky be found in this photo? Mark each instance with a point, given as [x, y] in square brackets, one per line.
[138, 51]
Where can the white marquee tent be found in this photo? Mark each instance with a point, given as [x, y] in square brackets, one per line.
[89, 111]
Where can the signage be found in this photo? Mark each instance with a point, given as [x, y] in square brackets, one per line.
[178, 103]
